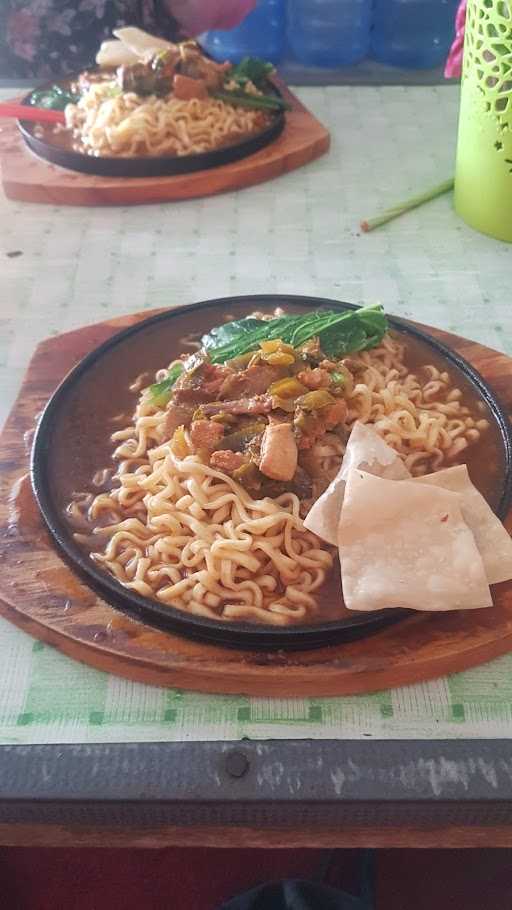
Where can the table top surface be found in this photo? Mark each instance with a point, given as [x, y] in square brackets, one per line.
[65, 267]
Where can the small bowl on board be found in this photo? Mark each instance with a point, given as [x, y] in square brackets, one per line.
[72, 442]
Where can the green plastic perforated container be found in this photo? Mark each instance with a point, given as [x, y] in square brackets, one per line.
[483, 174]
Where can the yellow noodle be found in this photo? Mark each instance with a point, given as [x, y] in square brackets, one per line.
[189, 535]
[127, 125]
[201, 566]
[420, 415]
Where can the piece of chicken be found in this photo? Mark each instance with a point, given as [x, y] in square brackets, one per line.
[227, 461]
[278, 452]
[315, 379]
[206, 434]
[185, 88]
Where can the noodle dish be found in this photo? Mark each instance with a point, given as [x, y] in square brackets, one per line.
[283, 453]
[149, 98]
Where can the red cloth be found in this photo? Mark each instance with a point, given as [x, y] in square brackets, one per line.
[125, 879]
[453, 68]
[187, 879]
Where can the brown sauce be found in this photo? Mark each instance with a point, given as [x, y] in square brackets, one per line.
[81, 444]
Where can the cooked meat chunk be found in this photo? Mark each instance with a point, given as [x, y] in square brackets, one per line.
[335, 414]
[227, 461]
[279, 452]
[254, 380]
[177, 416]
[153, 77]
[355, 366]
[196, 66]
[191, 395]
[142, 80]
[199, 385]
[315, 379]
[302, 484]
[185, 88]
[308, 436]
[261, 404]
[216, 376]
[136, 77]
[165, 63]
[205, 434]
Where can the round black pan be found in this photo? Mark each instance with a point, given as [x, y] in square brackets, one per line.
[70, 423]
[162, 166]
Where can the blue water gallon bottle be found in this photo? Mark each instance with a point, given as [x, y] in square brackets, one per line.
[413, 33]
[261, 34]
[329, 33]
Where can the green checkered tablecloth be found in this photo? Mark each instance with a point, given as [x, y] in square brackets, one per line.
[46, 697]
[297, 234]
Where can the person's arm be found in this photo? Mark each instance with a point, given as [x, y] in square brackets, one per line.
[196, 16]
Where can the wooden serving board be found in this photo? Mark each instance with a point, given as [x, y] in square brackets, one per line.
[40, 594]
[30, 179]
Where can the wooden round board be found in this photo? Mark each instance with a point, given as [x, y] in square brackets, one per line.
[30, 179]
[40, 594]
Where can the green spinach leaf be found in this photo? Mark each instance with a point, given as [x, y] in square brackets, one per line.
[228, 332]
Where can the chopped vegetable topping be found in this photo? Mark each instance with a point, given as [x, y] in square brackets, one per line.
[161, 391]
[339, 332]
[314, 401]
[264, 399]
[251, 69]
[287, 388]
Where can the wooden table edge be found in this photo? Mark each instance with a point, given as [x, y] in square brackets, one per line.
[449, 838]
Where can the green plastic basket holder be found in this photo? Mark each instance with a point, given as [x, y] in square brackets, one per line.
[483, 173]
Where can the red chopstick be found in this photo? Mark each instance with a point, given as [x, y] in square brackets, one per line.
[26, 112]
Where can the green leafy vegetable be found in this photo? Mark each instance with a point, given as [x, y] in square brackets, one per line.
[339, 332]
[231, 332]
[161, 391]
[251, 69]
[54, 98]
[259, 102]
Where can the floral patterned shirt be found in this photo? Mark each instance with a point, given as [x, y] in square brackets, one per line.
[46, 38]
[51, 38]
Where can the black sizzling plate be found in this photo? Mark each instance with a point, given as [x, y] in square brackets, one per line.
[162, 166]
[71, 443]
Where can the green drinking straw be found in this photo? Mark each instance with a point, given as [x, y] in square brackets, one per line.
[370, 223]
